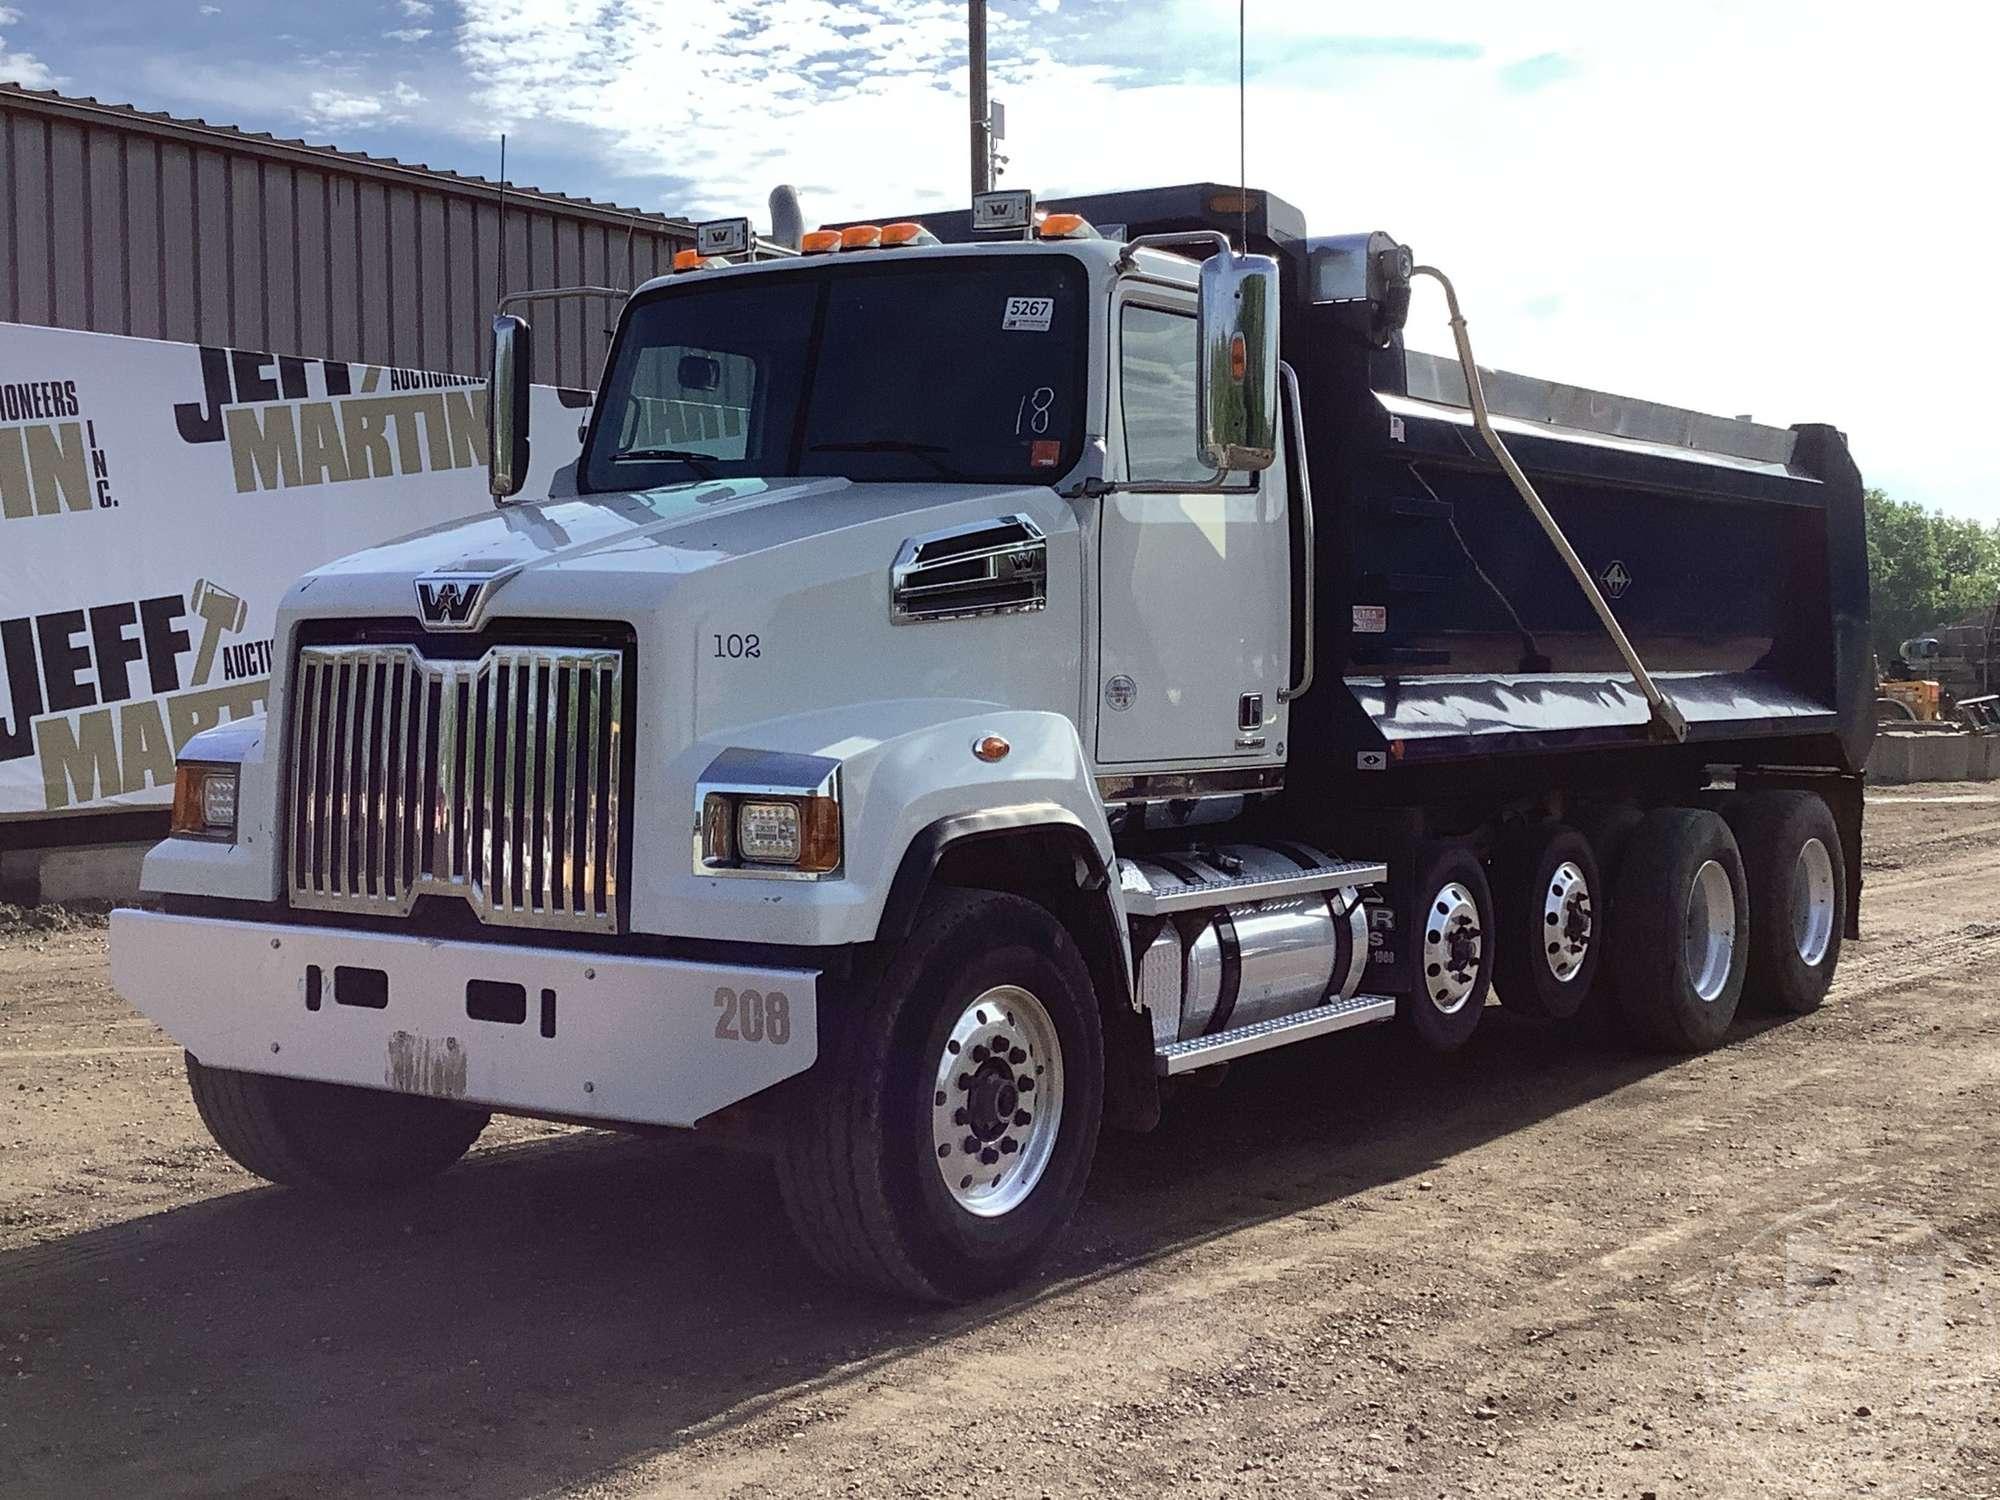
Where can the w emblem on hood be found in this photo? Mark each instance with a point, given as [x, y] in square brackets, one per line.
[448, 603]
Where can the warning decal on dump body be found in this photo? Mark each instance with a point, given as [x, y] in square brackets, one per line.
[1028, 315]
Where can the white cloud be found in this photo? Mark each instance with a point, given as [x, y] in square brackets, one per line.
[332, 107]
[210, 10]
[1769, 209]
[417, 9]
[408, 33]
[21, 67]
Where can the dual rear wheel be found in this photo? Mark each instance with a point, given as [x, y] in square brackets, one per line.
[1668, 921]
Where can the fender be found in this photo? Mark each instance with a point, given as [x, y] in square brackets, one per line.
[249, 868]
[908, 780]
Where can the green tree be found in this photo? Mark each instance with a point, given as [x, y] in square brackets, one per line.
[1926, 569]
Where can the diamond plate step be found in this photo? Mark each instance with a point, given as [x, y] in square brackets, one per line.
[1193, 896]
[1204, 1051]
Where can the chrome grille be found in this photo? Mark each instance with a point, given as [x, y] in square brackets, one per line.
[496, 781]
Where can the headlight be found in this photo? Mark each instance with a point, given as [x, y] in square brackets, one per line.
[768, 813]
[204, 802]
[769, 835]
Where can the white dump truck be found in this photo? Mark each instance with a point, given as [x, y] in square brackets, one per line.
[968, 682]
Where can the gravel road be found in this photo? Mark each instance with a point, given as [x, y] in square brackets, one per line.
[1540, 1267]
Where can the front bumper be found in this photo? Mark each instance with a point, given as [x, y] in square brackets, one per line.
[635, 1040]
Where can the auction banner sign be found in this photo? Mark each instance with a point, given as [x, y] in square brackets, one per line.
[157, 500]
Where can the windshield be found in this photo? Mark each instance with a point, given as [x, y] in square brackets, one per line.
[968, 368]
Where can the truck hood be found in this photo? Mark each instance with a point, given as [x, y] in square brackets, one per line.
[674, 529]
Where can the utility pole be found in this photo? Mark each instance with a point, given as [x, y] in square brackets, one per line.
[982, 139]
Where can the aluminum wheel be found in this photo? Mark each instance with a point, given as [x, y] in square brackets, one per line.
[1812, 902]
[998, 1103]
[1566, 922]
[1453, 946]
[1710, 943]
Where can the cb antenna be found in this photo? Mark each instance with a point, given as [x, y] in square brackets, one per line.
[500, 251]
[1242, 126]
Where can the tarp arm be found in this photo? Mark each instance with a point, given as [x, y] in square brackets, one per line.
[1666, 718]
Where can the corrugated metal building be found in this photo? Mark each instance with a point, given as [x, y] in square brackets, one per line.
[117, 220]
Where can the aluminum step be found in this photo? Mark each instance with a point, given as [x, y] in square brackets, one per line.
[1205, 1051]
[1143, 899]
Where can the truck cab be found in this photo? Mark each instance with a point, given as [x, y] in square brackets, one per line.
[885, 741]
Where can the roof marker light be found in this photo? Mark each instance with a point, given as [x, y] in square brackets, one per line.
[861, 237]
[1066, 227]
[819, 241]
[694, 260]
[908, 232]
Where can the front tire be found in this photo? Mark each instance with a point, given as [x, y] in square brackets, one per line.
[325, 1135]
[942, 1141]
[1680, 929]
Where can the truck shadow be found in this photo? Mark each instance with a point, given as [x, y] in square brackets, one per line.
[552, 1312]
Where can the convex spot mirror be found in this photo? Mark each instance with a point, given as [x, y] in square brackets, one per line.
[507, 405]
[1236, 377]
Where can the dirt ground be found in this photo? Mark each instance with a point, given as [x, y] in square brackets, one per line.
[1539, 1267]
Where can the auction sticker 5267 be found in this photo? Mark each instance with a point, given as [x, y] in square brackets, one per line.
[1028, 315]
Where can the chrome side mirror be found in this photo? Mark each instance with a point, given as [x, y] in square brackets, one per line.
[1236, 374]
[507, 405]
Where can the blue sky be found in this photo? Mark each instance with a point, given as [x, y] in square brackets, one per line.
[1764, 207]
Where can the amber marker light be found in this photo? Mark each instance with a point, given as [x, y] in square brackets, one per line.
[909, 232]
[1066, 227]
[991, 747]
[820, 241]
[861, 237]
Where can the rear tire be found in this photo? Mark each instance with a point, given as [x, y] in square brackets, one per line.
[1798, 897]
[1547, 889]
[874, 1162]
[1452, 939]
[324, 1135]
[1680, 930]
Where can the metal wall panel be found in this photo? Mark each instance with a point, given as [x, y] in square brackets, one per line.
[122, 222]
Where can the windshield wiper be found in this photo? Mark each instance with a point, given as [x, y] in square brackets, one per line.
[702, 463]
[927, 451]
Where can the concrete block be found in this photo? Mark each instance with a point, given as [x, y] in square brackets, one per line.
[1944, 757]
[101, 872]
[1889, 761]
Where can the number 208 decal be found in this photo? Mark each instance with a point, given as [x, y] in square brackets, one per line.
[753, 1016]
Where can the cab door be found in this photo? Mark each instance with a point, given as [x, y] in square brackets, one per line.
[1194, 569]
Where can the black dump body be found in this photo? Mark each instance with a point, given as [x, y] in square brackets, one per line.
[1454, 649]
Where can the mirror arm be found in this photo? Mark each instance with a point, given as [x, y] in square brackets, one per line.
[557, 294]
[1215, 239]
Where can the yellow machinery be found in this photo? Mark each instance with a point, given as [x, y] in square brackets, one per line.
[1904, 700]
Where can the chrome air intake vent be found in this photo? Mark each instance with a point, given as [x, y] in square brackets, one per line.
[996, 567]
